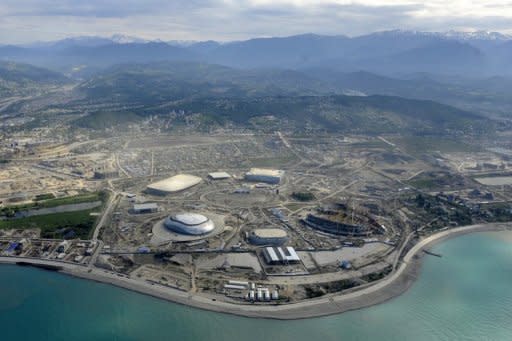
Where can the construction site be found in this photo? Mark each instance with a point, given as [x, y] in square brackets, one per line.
[248, 219]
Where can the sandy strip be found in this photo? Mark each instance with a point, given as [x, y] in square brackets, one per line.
[383, 290]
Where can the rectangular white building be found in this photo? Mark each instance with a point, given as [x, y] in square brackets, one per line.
[219, 175]
[280, 255]
[145, 208]
[270, 176]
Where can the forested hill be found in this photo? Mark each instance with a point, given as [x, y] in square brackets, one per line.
[16, 78]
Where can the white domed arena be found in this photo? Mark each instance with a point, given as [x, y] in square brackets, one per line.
[192, 224]
[173, 184]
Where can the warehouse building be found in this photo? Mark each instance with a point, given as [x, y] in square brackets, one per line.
[269, 176]
[145, 208]
[280, 255]
[219, 176]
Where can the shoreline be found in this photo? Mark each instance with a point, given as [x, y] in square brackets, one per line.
[380, 291]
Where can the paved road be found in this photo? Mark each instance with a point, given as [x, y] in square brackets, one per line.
[105, 218]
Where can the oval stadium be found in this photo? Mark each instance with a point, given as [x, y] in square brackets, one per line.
[189, 223]
[268, 236]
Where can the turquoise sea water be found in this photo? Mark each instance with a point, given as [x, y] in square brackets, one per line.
[466, 295]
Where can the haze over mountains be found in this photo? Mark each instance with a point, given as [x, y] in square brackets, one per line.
[389, 53]
[469, 75]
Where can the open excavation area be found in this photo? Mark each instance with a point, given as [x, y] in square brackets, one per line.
[247, 219]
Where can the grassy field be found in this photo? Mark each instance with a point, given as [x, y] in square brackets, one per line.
[373, 144]
[102, 120]
[56, 225]
[423, 144]
[439, 181]
[293, 206]
[77, 199]
[273, 162]
[423, 183]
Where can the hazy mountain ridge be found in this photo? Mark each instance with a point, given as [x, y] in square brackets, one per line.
[172, 80]
[275, 76]
[492, 94]
[16, 78]
[389, 52]
[221, 94]
[168, 81]
[339, 113]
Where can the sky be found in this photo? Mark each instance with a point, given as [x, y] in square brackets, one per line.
[24, 21]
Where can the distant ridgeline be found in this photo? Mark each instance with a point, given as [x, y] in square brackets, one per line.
[203, 96]
[21, 79]
[365, 115]
[263, 99]
[371, 114]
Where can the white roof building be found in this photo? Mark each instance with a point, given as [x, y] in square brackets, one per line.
[280, 255]
[189, 224]
[219, 175]
[271, 176]
[268, 236]
[174, 184]
[145, 208]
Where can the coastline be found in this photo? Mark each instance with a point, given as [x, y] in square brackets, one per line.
[378, 292]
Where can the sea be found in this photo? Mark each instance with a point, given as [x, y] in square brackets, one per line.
[464, 295]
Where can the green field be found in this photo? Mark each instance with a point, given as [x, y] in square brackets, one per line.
[375, 144]
[273, 162]
[102, 119]
[440, 180]
[294, 206]
[423, 144]
[56, 225]
[81, 222]
[77, 199]
[423, 183]
[303, 196]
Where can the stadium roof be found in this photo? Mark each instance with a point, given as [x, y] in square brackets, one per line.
[270, 233]
[176, 183]
[189, 223]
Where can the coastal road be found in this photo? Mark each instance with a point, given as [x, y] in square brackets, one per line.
[406, 241]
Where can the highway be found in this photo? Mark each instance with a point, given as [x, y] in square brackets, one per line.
[105, 219]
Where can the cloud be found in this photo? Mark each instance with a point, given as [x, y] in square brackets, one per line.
[98, 8]
[28, 20]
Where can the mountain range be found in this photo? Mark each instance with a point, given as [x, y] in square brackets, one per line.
[422, 82]
[389, 53]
